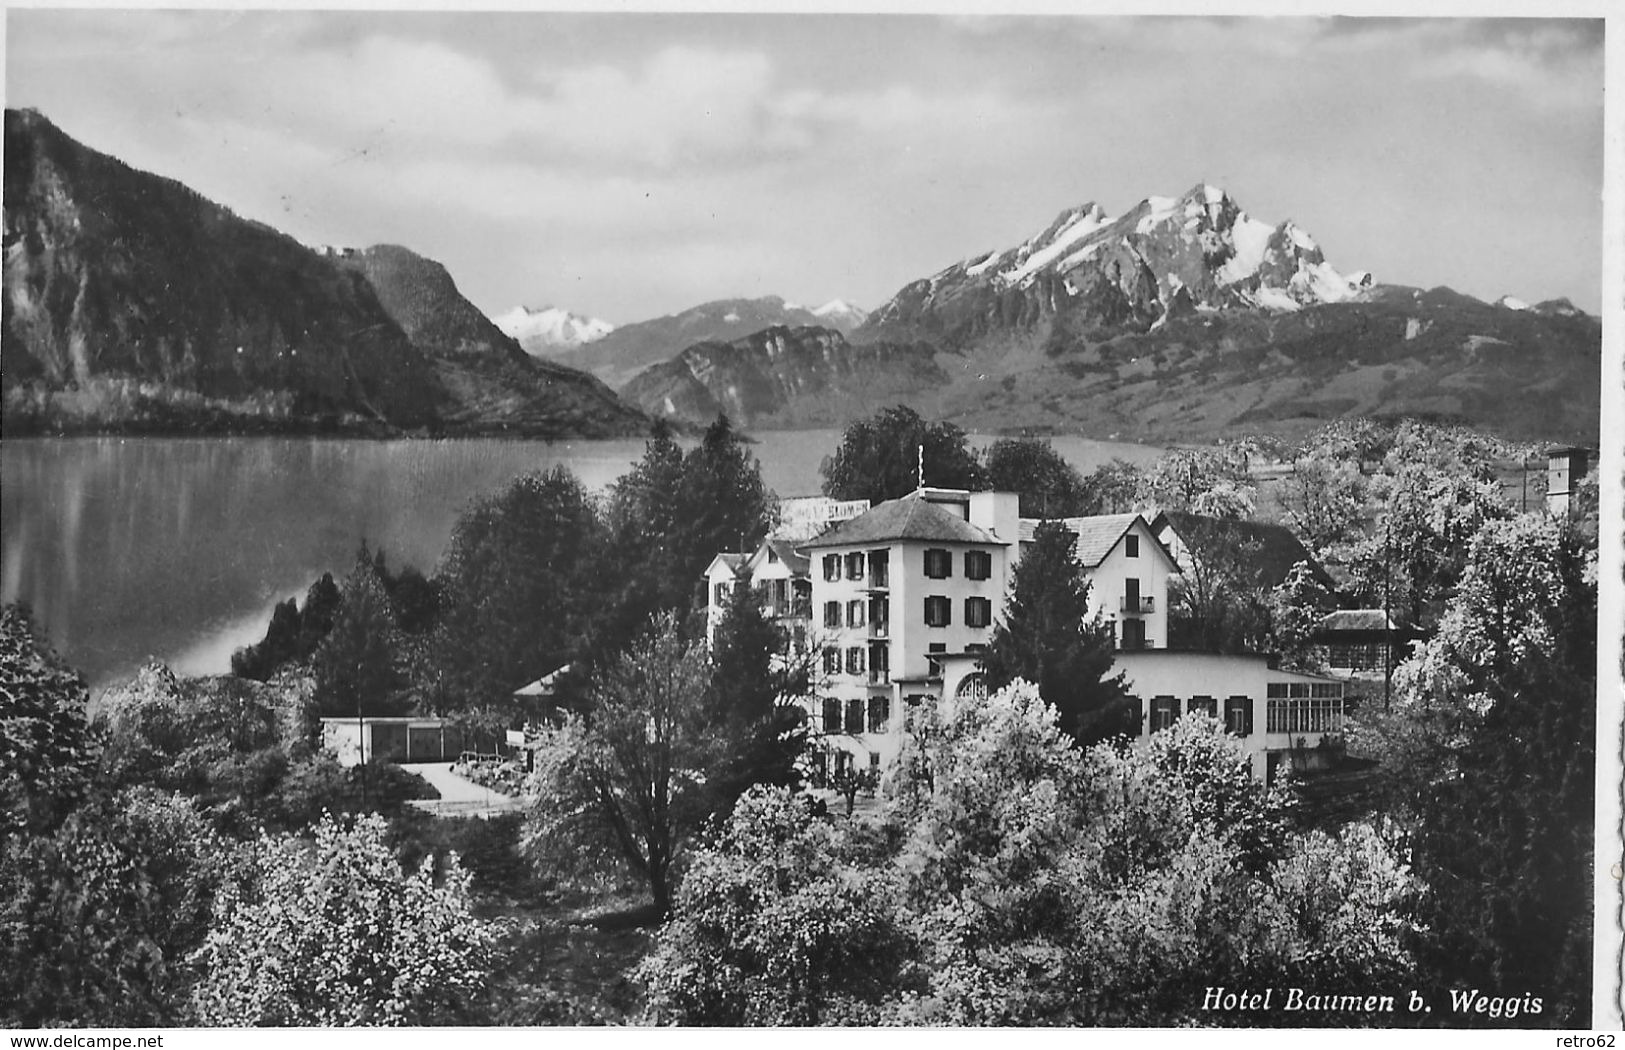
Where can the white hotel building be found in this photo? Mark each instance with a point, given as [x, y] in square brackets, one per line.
[899, 601]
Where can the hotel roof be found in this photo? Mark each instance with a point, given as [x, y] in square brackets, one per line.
[908, 518]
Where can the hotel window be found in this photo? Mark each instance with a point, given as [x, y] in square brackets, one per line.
[939, 564]
[1164, 712]
[1238, 715]
[721, 594]
[832, 715]
[854, 565]
[832, 567]
[879, 713]
[854, 660]
[879, 663]
[938, 611]
[832, 614]
[1205, 704]
[1131, 546]
[978, 565]
[978, 612]
[832, 660]
[854, 613]
[854, 716]
[874, 760]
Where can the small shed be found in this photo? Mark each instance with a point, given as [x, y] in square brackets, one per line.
[404, 738]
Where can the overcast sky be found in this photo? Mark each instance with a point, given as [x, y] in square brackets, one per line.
[628, 166]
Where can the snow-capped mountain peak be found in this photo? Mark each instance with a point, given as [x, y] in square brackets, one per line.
[550, 328]
[841, 313]
[1198, 250]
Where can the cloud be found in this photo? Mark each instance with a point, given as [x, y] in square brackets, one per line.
[1546, 65]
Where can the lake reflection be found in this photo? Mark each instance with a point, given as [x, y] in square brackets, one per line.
[130, 548]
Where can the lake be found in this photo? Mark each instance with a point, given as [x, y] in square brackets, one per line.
[177, 548]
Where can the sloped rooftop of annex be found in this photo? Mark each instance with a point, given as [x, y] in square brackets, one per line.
[732, 562]
[1097, 534]
[1375, 620]
[908, 518]
[1275, 549]
[785, 549]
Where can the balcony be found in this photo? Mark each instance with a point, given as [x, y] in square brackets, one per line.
[880, 677]
[1138, 606]
[1135, 644]
[879, 628]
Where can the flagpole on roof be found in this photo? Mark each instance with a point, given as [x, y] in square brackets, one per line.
[919, 465]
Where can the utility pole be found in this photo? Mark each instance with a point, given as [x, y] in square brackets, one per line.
[361, 729]
[1387, 618]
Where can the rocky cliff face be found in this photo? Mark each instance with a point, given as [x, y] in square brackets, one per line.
[783, 376]
[131, 303]
[495, 386]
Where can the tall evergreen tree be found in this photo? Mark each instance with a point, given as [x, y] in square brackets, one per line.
[755, 680]
[356, 665]
[1049, 638]
[723, 505]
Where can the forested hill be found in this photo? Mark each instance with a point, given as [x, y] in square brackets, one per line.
[132, 304]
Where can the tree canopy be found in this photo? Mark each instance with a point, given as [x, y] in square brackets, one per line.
[523, 578]
[334, 933]
[1048, 486]
[1491, 748]
[1031, 882]
[878, 458]
[44, 750]
[625, 782]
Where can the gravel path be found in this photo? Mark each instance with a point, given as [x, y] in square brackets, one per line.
[459, 796]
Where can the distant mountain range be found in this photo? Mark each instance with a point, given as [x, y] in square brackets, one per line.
[1182, 319]
[626, 351]
[132, 304]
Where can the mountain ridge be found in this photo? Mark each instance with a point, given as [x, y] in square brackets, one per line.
[132, 304]
[630, 348]
[1185, 319]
